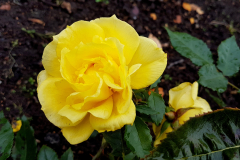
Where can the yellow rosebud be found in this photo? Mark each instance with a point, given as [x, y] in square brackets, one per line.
[16, 125]
[90, 71]
[182, 97]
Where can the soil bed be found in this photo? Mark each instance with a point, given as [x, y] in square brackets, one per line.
[18, 80]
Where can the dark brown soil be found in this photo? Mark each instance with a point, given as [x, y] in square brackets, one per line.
[18, 91]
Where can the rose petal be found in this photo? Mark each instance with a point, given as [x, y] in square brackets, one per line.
[153, 61]
[113, 27]
[81, 31]
[103, 109]
[147, 74]
[110, 82]
[79, 133]
[115, 121]
[163, 136]
[72, 114]
[122, 99]
[53, 99]
[50, 60]
[194, 90]
[42, 76]
[202, 103]
[181, 96]
[190, 113]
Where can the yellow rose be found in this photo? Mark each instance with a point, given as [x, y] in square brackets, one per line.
[183, 96]
[90, 71]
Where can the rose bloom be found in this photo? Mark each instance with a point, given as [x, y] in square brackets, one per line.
[183, 96]
[90, 71]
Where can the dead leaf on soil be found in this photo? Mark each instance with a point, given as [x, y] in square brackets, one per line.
[192, 7]
[182, 68]
[5, 7]
[36, 21]
[178, 19]
[67, 6]
[191, 20]
[155, 39]
[187, 6]
[234, 92]
[166, 44]
[149, 92]
[153, 16]
[160, 91]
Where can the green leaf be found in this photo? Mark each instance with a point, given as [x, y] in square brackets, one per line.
[111, 156]
[229, 57]
[141, 94]
[94, 134]
[25, 144]
[216, 99]
[47, 153]
[190, 47]
[155, 84]
[138, 138]
[131, 156]
[213, 136]
[156, 102]
[68, 155]
[146, 118]
[211, 78]
[115, 141]
[6, 137]
[146, 110]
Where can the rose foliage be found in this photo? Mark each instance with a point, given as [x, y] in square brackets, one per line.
[182, 97]
[90, 71]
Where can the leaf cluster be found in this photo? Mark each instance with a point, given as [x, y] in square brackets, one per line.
[25, 146]
[198, 52]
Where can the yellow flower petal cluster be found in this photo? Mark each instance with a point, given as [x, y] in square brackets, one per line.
[16, 125]
[90, 71]
[183, 96]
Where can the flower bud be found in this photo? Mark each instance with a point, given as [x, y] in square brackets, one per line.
[170, 116]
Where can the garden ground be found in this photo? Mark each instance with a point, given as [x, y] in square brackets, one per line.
[31, 23]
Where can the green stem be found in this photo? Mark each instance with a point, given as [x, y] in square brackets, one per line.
[233, 86]
[123, 154]
[104, 145]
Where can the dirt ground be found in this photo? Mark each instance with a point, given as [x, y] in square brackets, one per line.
[18, 72]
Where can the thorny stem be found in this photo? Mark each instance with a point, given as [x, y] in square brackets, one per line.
[233, 86]
[104, 145]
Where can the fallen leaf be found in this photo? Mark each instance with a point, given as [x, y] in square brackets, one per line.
[5, 7]
[165, 44]
[187, 6]
[153, 16]
[197, 9]
[38, 141]
[178, 19]
[36, 21]
[161, 91]
[149, 92]
[192, 7]
[67, 6]
[234, 92]
[155, 39]
[182, 68]
[191, 20]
